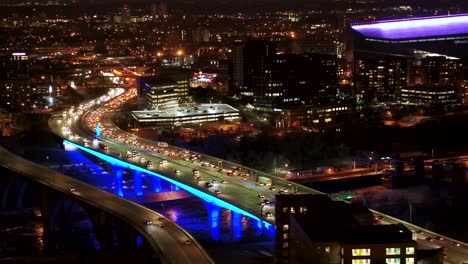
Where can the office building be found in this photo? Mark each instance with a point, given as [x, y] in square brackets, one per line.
[186, 115]
[440, 70]
[15, 86]
[296, 80]
[161, 93]
[159, 8]
[429, 95]
[314, 116]
[315, 229]
[379, 77]
[251, 60]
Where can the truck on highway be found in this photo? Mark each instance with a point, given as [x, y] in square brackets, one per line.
[162, 144]
[263, 181]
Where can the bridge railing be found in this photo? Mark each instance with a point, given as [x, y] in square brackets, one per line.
[418, 228]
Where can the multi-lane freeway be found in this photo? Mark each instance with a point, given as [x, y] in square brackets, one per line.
[224, 183]
[170, 242]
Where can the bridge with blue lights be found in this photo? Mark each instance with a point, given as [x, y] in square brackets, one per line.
[171, 244]
[242, 193]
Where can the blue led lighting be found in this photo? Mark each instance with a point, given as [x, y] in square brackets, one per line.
[118, 172]
[236, 222]
[206, 197]
[213, 219]
[138, 183]
[156, 184]
[98, 130]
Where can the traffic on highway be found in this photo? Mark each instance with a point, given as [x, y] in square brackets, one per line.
[240, 187]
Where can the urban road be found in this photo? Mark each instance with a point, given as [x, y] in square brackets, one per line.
[240, 191]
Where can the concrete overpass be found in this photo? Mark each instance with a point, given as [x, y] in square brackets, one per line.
[171, 243]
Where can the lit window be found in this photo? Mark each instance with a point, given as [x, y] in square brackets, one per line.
[409, 260]
[285, 227]
[392, 251]
[361, 261]
[302, 210]
[285, 236]
[392, 261]
[285, 244]
[285, 209]
[409, 250]
[361, 251]
[292, 210]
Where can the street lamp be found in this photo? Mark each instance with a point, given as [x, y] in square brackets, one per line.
[261, 209]
[411, 211]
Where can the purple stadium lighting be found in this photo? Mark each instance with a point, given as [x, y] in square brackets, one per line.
[424, 27]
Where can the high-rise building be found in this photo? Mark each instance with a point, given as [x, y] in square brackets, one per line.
[125, 15]
[159, 8]
[251, 60]
[380, 78]
[15, 86]
[440, 70]
[297, 80]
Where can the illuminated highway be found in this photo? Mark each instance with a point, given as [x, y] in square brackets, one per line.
[168, 242]
[237, 191]
[235, 186]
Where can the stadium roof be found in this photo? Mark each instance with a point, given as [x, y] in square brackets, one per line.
[414, 28]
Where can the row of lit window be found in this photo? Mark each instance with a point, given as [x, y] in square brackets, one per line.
[426, 92]
[292, 210]
[387, 261]
[388, 251]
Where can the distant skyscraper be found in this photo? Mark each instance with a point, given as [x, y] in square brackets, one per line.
[125, 14]
[251, 60]
[15, 87]
[380, 78]
[442, 71]
[159, 8]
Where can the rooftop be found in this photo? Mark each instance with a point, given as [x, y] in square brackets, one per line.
[413, 28]
[202, 109]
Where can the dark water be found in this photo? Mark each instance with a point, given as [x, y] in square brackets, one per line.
[345, 184]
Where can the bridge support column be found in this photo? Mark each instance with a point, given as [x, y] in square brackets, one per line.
[103, 227]
[213, 219]
[118, 180]
[156, 184]
[47, 202]
[236, 222]
[137, 181]
[259, 227]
